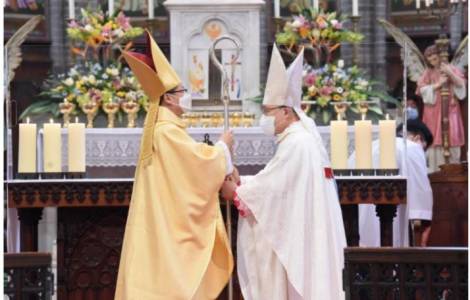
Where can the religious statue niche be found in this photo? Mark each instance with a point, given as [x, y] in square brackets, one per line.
[203, 78]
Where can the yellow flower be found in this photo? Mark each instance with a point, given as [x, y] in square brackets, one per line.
[312, 91]
[78, 84]
[121, 94]
[336, 97]
[70, 97]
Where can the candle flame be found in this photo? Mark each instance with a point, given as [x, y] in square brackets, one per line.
[51, 120]
[76, 119]
[387, 116]
[27, 120]
[363, 117]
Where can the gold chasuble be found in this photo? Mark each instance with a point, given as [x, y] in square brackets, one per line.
[175, 244]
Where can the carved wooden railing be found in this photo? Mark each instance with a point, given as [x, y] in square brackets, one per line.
[28, 275]
[406, 273]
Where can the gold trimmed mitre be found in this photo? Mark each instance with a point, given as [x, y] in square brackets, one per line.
[156, 76]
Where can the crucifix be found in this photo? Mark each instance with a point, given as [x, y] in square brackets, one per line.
[233, 62]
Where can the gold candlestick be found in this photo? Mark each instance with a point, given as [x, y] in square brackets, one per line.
[363, 108]
[90, 109]
[66, 108]
[206, 119]
[131, 108]
[247, 119]
[111, 108]
[236, 119]
[340, 109]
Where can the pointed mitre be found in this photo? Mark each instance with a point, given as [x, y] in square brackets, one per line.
[156, 76]
[284, 86]
[152, 69]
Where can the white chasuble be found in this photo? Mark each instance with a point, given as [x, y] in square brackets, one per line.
[291, 246]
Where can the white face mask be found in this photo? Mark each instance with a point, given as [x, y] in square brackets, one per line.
[186, 102]
[267, 125]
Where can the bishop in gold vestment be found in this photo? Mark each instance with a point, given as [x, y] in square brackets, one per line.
[175, 244]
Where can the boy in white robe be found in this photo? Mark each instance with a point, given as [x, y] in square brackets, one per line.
[290, 233]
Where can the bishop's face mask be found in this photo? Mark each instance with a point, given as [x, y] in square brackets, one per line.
[185, 102]
[267, 124]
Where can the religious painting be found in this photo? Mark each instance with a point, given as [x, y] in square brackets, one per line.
[233, 67]
[138, 8]
[29, 7]
[289, 6]
[198, 73]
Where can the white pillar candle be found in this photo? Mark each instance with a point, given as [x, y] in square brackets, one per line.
[316, 5]
[71, 9]
[355, 8]
[418, 4]
[277, 9]
[76, 147]
[52, 148]
[110, 7]
[387, 141]
[363, 144]
[339, 144]
[27, 148]
[151, 12]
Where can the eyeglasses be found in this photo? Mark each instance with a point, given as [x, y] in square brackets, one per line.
[177, 91]
[268, 110]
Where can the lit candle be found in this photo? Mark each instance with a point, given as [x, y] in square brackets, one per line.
[277, 9]
[52, 148]
[427, 3]
[355, 8]
[71, 9]
[339, 144]
[27, 148]
[363, 144]
[418, 4]
[315, 5]
[151, 13]
[76, 147]
[387, 138]
[110, 7]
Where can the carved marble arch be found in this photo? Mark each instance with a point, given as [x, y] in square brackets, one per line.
[202, 79]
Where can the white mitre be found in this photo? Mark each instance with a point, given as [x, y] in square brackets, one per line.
[284, 88]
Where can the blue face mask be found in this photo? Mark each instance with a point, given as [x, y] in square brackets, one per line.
[412, 113]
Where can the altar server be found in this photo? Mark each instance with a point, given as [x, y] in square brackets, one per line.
[419, 192]
[175, 244]
[290, 232]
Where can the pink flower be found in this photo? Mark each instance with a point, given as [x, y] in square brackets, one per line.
[339, 25]
[123, 21]
[326, 90]
[309, 79]
[73, 24]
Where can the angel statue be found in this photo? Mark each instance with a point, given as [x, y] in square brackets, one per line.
[440, 84]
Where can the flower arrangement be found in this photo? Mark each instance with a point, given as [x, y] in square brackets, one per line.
[99, 79]
[316, 30]
[335, 83]
[94, 30]
[90, 82]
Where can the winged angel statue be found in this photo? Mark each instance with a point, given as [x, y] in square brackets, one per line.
[440, 84]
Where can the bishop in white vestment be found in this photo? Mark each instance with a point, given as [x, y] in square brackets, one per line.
[290, 231]
[419, 192]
